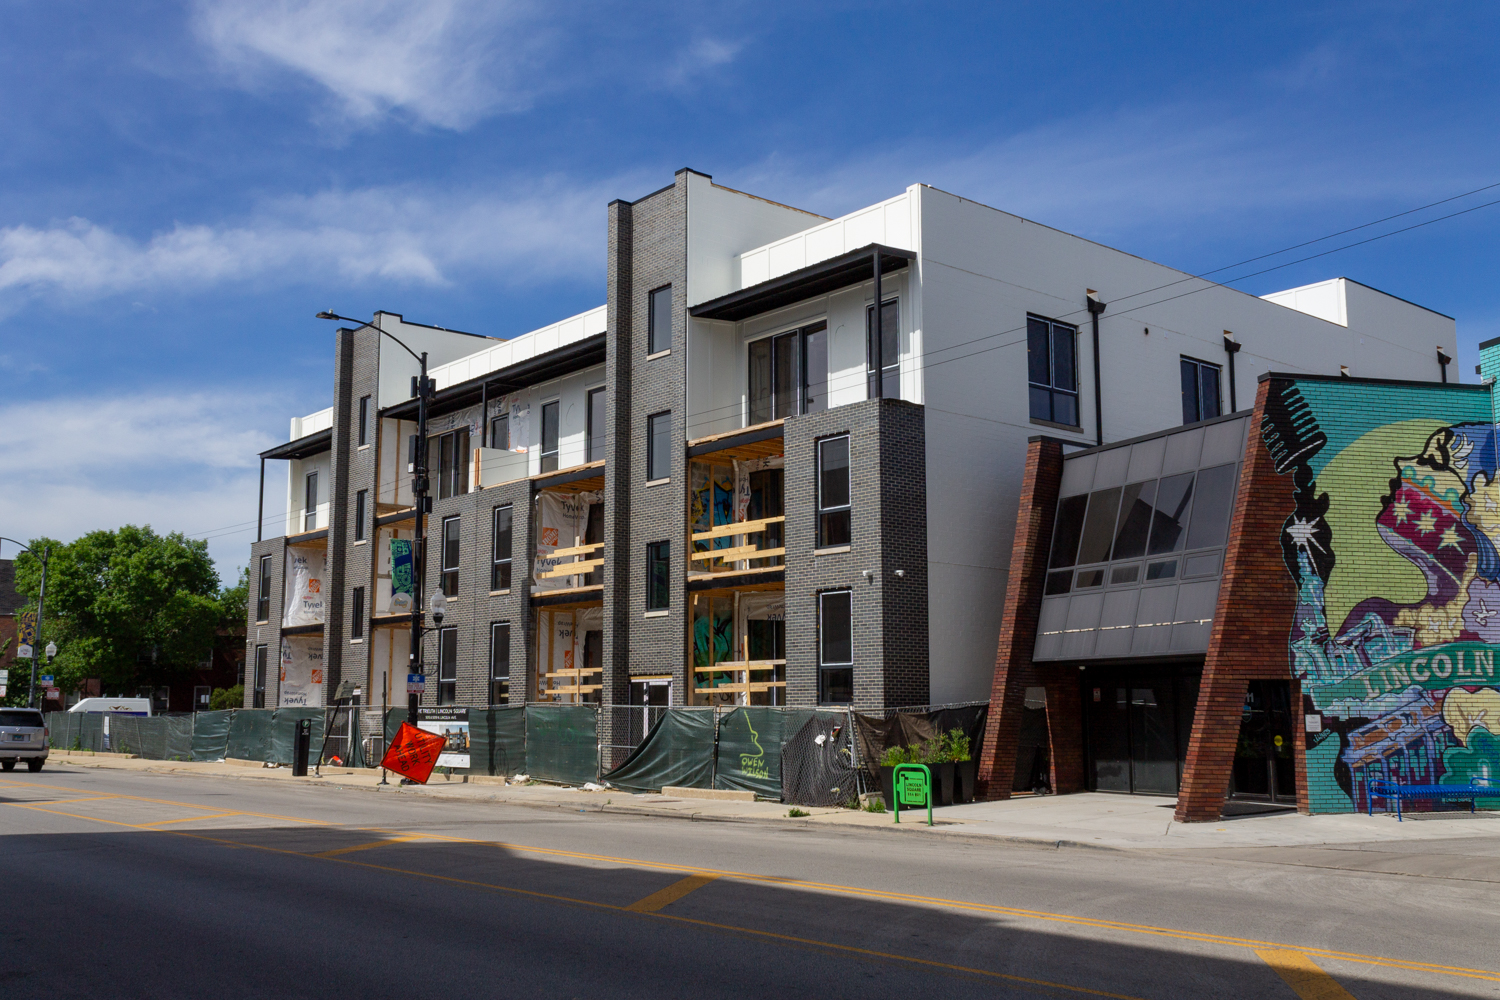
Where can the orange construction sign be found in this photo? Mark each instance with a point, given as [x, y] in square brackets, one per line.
[413, 753]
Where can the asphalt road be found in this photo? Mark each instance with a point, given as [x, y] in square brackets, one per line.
[140, 885]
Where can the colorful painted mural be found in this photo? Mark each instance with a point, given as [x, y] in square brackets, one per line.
[1394, 546]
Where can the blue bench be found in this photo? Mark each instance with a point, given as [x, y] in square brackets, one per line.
[1389, 790]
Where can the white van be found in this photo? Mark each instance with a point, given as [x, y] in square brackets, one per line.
[119, 706]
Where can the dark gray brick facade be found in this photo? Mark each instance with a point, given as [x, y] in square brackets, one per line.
[267, 633]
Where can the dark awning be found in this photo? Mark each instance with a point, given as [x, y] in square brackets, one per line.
[826, 276]
[573, 357]
[312, 444]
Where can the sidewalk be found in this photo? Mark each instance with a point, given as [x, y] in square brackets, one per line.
[1092, 819]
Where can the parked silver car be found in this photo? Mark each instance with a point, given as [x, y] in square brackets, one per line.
[23, 736]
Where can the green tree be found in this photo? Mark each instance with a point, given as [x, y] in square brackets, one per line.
[129, 606]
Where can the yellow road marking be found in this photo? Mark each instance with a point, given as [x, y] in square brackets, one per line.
[1304, 977]
[185, 819]
[170, 802]
[670, 894]
[363, 847]
[85, 798]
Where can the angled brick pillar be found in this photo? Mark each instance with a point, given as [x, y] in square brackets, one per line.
[1250, 630]
[1014, 671]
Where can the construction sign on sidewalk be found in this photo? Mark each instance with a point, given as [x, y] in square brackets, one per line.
[413, 753]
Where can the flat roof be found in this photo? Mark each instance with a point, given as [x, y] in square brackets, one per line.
[852, 268]
[310, 444]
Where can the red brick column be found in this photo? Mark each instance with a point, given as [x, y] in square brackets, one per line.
[1251, 630]
[1014, 671]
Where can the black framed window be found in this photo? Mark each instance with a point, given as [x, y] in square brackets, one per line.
[550, 413]
[500, 552]
[833, 491]
[658, 576]
[890, 349]
[500, 663]
[263, 591]
[258, 699]
[836, 647]
[788, 374]
[361, 500]
[594, 415]
[453, 463]
[364, 420]
[357, 613]
[659, 446]
[310, 502]
[1200, 390]
[447, 691]
[500, 432]
[660, 321]
[1052, 370]
[450, 556]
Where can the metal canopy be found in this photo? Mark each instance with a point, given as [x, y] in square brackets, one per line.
[584, 353]
[312, 444]
[826, 276]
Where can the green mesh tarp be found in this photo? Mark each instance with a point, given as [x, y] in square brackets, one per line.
[250, 734]
[749, 754]
[284, 731]
[211, 735]
[562, 743]
[157, 737]
[678, 751]
[497, 740]
[76, 730]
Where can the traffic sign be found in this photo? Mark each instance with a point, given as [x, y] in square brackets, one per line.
[2, 690]
[4, 676]
[47, 679]
[416, 683]
[23, 652]
[54, 694]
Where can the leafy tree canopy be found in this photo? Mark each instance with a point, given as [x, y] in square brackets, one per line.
[128, 606]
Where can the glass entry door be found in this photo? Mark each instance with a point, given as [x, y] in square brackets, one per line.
[1138, 724]
[1263, 764]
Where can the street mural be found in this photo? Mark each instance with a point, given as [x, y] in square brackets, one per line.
[1395, 550]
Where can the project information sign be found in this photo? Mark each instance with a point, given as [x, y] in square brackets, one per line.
[453, 725]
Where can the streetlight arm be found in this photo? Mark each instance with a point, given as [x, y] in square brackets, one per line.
[325, 314]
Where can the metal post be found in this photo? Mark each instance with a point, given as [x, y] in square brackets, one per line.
[260, 510]
[1095, 308]
[40, 649]
[879, 332]
[1232, 347]
[419, 488]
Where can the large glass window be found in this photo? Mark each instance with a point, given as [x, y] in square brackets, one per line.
[833, 492]
[453, 463]
[1200, 390]
[364, 420]
[659, 446]
[836, 647]
[258, 699]
[1213, 505]
[450, 556]
[500, 553]
[263, 592]
[789, 374]
[1052, 370]
[500, 663]
[361, 500]
[500, 432]
[357, 613]
[447, 689]
[660, 320]
[310, 502]
[889, 351]
[658, 576]
[550, 435]
[596, 424]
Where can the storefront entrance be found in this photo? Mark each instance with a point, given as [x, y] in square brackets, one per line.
[1263, 766]
[1137, 720]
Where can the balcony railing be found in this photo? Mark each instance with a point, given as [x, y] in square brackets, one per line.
[580, 566]
[753, 550]
[743, 669]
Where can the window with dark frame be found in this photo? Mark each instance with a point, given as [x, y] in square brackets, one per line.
[594, 415]
[500, 553]
[258, 697]
[658, 576]
[549, 435]
[450, 556]
[453, 462]
[1200, 390]
[447, 689]
[835, 647]
[364, 420]
[659, 323]
[500, 663]
[357, 613]
[263, 592]
[1052, 370]
[659, 446]
[788, 374]
[361, 499]
[500, 432]
[310, 502]
[833, 492]
[890, 353]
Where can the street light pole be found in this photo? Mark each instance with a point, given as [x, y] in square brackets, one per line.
[41, 603]
[423, 390]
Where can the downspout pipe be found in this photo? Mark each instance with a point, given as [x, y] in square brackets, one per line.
[878, 333]
[1443, 362]
[260, 510]
[1095, 308]
[1231, 348]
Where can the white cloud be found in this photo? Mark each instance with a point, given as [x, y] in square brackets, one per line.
[179, 463]
[547, 231]
[442, 62]
[699, 57]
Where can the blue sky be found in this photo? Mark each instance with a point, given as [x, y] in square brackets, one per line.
[183, 184]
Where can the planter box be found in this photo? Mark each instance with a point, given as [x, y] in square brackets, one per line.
[966, 774]
[942, 780]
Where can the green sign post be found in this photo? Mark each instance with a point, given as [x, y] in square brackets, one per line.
[913, 784]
